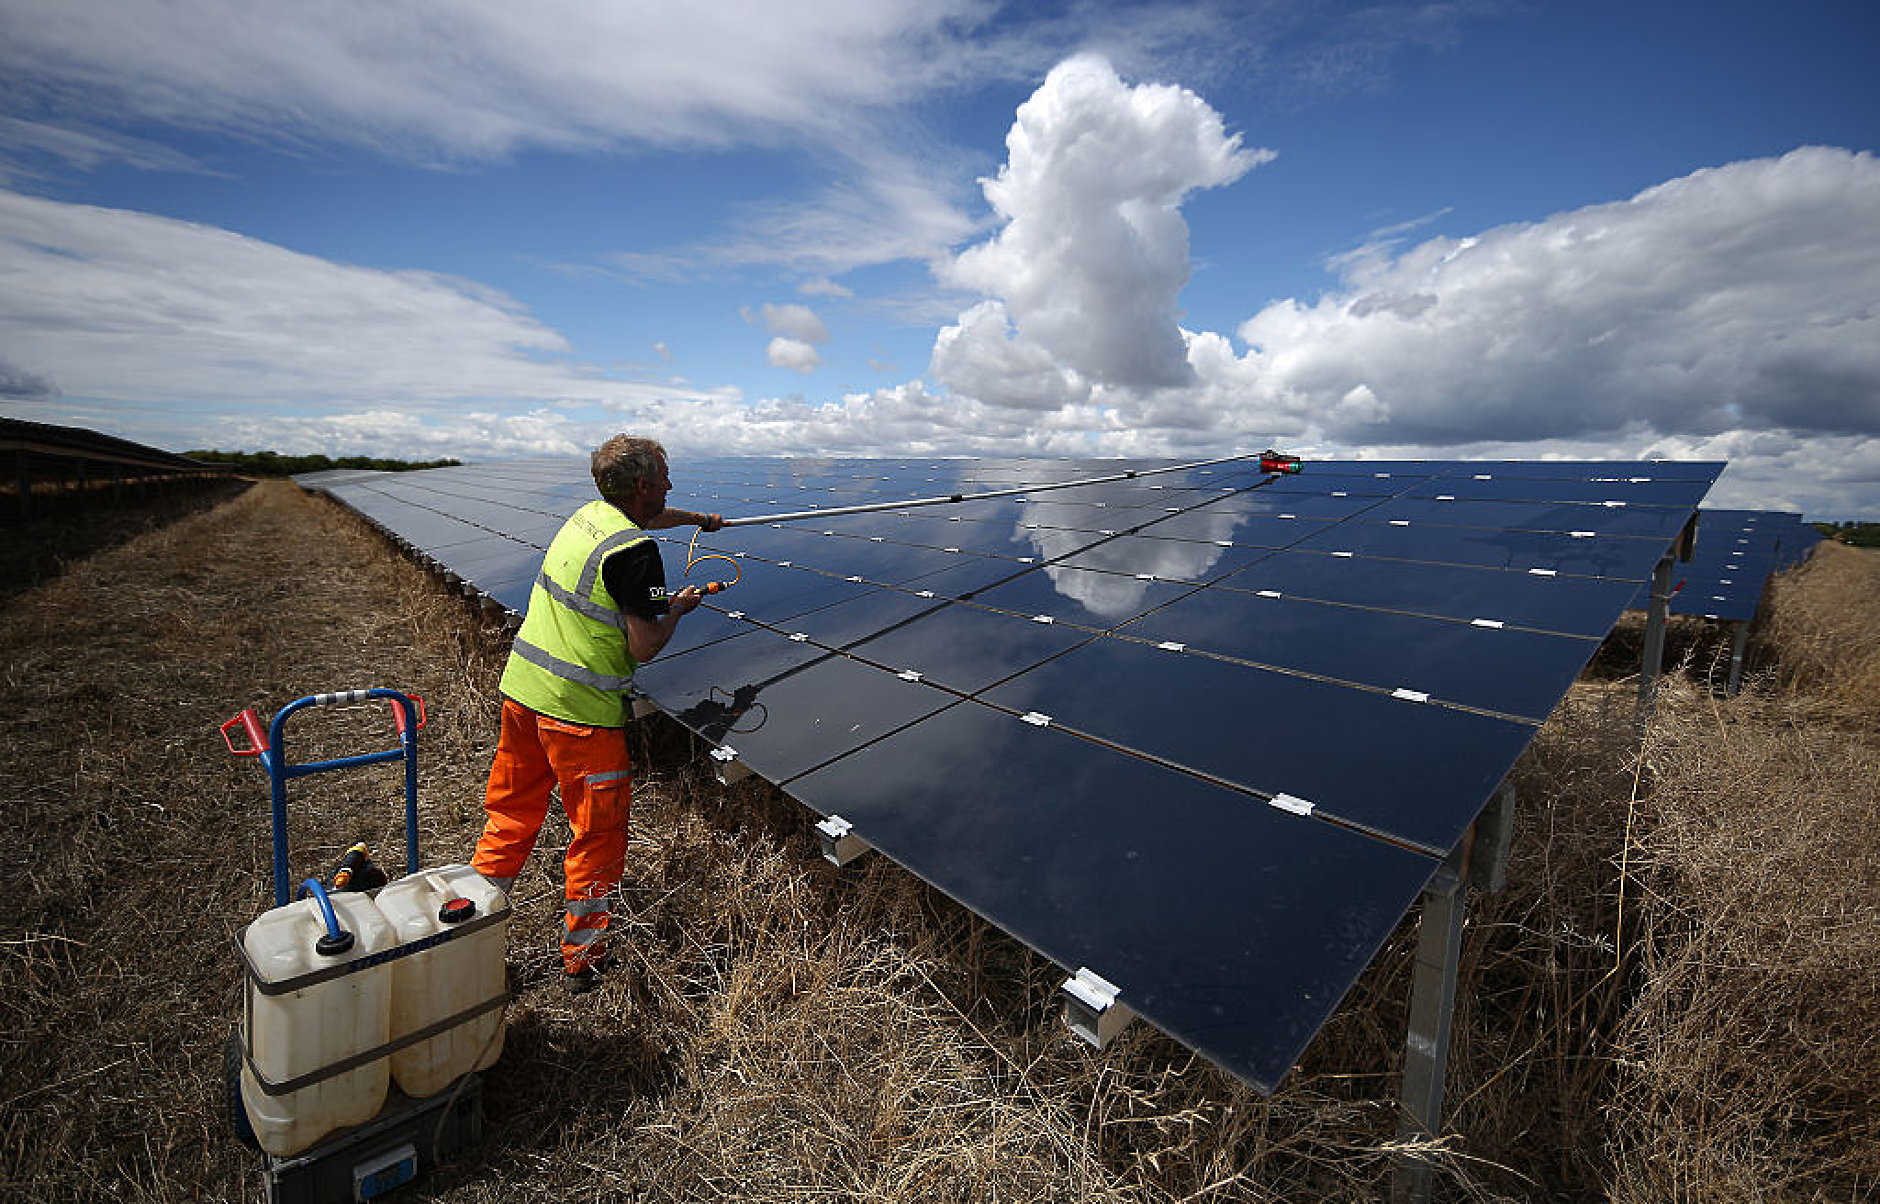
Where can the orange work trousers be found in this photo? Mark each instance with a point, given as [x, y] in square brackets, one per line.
[591, 765]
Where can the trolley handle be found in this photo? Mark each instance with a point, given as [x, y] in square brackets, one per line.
[398, 712]
[257, 733]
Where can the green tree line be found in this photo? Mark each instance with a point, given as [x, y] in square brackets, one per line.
[1861, 535]
[273, 464]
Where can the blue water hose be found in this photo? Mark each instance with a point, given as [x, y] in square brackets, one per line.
[337, 940]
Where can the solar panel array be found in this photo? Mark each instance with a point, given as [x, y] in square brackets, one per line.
[1204, 732]
[1735, 553]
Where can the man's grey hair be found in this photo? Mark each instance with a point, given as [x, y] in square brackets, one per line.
[623, 462]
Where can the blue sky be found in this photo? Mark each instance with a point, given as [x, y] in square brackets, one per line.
[487, 230]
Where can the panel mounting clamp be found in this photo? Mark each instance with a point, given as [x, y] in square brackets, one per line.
[840, 844]
[1036, 718]
[1042, 619]
[1408, 695]
[1172, 646]
[727, 768]
[1291, 803]
[1091, 1008]
[909, 675]
[1493, 624]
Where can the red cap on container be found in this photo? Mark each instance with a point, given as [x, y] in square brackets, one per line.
[456, 911]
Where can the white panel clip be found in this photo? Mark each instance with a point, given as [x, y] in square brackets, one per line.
[1583, 534]
[1145, 576]
[953, 550]
[1410, 695]
[1545, 572]
[1291, 803]
[1495, 624]
[1612, 505]
[1399, 522]
[1036, 718]
[856, 580]
[728, 768]
[1267, 593]
[840, 844]
[1172, 646]
[925, 593]
[908, 675]
[798, 637]
[1042, 619]
[1091, 1008]
[1344, 555]
[1223, 543]
[734, 614]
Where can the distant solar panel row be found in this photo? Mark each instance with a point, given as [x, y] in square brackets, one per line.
[1205, 732]
[1735, 553]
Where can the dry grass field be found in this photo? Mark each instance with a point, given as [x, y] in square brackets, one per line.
[1676, 998]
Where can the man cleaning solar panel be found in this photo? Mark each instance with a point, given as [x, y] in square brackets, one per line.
[599, 609]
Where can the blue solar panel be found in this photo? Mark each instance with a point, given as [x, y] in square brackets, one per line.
[1203, 731]
[1735, 552]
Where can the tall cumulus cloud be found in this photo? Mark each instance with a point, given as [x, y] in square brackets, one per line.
[1093, 251]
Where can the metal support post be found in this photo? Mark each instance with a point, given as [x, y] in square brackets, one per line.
[1480, 861]
[1739, 640]
[1432, 1008]
[1652, 661]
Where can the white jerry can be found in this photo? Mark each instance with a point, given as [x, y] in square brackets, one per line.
[300, 1031]
[464, 919]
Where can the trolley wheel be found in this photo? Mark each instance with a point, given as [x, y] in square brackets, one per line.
[238, 1120]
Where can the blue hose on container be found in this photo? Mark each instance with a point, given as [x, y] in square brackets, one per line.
[337, 940]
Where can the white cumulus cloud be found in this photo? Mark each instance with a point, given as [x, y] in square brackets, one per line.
[1745, 296]
[797, 322]
[793, 354]
[1093, 251]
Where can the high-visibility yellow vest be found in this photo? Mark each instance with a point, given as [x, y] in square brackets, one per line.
[570, 658]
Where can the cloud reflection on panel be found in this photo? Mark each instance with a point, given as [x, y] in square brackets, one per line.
[1124, 568]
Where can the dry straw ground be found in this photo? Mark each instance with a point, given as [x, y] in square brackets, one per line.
[1675, 999]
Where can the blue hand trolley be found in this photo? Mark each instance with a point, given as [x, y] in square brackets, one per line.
[407, 1137]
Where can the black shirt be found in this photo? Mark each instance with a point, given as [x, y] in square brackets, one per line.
[637, 580]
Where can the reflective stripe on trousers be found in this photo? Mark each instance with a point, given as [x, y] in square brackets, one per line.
[590, 764]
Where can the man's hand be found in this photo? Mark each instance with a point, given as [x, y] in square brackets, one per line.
[712, 522]
[686, 600]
